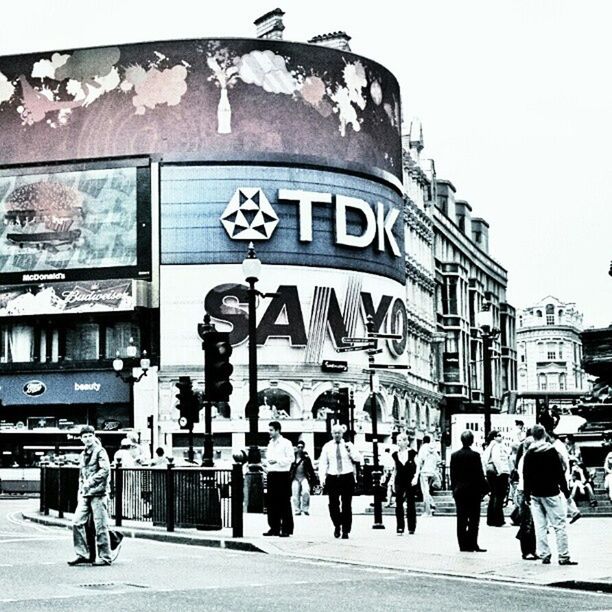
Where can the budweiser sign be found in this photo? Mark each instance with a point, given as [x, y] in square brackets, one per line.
[109, 296]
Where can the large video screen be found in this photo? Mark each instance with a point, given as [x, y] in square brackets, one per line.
[65, 224]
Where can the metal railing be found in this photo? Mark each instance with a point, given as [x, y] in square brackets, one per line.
[204, 498]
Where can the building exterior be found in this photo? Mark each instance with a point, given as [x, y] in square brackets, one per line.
[550, 348]
[132, 179]
[467, 279]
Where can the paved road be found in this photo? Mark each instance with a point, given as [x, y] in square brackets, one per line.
[155, 576]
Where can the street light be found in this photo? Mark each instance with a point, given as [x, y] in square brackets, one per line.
[251, 268]
[486, 324]
[129, 378]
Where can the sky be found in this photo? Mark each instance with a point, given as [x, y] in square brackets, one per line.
[515, 98]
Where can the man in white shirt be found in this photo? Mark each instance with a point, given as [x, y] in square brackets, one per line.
[336, 471]
[279, 457]
[427, 460]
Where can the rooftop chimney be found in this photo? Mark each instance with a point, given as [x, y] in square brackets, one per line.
[333, 40]
[416, 135]
[270, 25]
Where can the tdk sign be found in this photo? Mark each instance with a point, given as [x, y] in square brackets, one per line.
[250, 216]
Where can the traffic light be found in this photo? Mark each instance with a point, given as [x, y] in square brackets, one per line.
[217, 367]
[187, 405]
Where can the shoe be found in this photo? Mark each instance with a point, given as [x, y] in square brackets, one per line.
[100, 563]
[271, 533]
[411, 532]
[345, 536]
[546, 560]
[79, 561]
[400, 531]
[337, 532]
[306, 513]
[284, 535]
[478, 549]
[298, 514]
[530, 557]
[575, 517]
[567, 562]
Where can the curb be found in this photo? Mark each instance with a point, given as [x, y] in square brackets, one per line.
[160, 536]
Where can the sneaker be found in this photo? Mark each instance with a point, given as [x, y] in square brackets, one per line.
[100, 563]
[79, 561]
[345, 536]
[546, 560]
[567, 562]
[575, 517]
[115, 551]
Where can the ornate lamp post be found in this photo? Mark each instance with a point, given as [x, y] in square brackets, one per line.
[484, 320]
[128, 377]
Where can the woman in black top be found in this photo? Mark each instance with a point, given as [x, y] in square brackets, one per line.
[406, 477]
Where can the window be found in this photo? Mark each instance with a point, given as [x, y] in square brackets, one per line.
[560, 350]
[562, 382]
[118, 338]
[17, 344]
[551, 350]
[82, 342]
[550, 314]
[542, 382]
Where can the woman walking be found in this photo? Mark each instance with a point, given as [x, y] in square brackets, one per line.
[406, 477]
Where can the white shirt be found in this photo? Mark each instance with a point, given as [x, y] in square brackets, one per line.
[328, 463]
[281, 451]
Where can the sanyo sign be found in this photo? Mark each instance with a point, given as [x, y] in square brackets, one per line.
[250, 216]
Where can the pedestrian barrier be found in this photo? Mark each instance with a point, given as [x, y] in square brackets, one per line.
[203, 498]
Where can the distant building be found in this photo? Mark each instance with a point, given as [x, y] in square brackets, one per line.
[550, 348]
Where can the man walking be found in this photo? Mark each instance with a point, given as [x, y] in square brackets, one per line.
[94, 475]
[336, 471]
[427, 459]
[279, 457]
[303, 478]
[544, 480]
[468, 485]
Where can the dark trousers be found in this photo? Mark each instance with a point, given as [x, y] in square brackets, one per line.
[468, 519]
[340, 490]
[278, 502]
[498, 485]
[404, 495]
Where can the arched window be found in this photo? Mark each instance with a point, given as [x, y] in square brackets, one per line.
[274, 403]
[550, 314]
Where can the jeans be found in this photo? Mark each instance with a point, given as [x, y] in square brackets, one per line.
[301, 495]
[425, 481]
[98, 508]
[550, 510]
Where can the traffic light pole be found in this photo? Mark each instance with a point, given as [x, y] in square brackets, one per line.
[253, 411]
[207, 459]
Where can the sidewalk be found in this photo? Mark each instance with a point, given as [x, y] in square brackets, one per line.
[432, 549]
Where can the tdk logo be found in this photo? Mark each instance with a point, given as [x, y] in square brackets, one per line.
[250, 216]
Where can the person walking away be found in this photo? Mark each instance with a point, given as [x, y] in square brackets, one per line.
[571, 509]
[406, 476]
[497, 468]
[337, 471]
[608, 474]
[303, 479]
[544, 483]
[279, 457]
[526, 532]
[94, 477]
[469, 486]
[427, 459]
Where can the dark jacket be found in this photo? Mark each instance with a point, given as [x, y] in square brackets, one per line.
[404, 472]
[543, 473]
[309, 472]
[94, 472]
[466, 474]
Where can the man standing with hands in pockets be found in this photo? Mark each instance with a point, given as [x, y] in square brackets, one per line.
[336, 471]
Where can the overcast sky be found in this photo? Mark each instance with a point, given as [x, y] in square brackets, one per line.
[515, 99]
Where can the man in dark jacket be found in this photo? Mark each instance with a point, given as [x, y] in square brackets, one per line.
[544, 480]
[303, 479]
[469, 485]
[94, 476]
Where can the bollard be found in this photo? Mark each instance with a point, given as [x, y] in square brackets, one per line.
[378, 522]
[237, 501]
[43, 489]
[170, 505]
[118, 493]
[60, 505]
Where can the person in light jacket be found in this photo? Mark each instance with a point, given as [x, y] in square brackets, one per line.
[497, 468]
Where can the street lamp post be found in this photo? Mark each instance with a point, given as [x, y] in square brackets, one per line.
[251, 268]
[485, 322]
[129, 378]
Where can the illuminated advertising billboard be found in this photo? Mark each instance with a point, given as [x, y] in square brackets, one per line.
[74, 222]
[228, 99]
[303, 322]
[295, 216]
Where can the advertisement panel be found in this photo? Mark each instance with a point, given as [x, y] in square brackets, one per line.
[250, 99]
[296, 216]
[304, 323]
[74, 222]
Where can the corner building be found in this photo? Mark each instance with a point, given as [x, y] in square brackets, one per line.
[132, 179]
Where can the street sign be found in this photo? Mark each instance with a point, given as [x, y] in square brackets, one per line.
[346, 349]
[374, 351]
[329, 365]
[387, 366]
[351, 339]
[390, 336]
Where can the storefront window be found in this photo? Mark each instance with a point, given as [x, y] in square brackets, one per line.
[17, 344]
[82, 342]
[118, 339]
